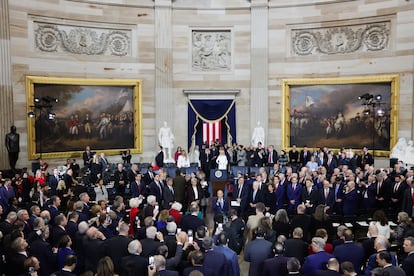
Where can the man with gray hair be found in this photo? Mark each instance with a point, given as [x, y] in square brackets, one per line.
[381, 244]
[117, 247]
[293, 266]
[150, 244]
[134, 263]
[318, 260]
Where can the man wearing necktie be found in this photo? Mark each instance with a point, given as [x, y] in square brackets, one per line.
[220, 204]
[294, 192]
[397, 193]
[156, 189]
[168, 194]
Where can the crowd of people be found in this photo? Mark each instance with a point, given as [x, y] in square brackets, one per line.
[278, 215]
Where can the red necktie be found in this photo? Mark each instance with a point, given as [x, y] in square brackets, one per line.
[270, 158]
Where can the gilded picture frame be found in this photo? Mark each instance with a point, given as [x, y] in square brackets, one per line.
[341, 112]
[105, 114]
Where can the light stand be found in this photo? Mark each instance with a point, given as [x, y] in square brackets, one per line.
[42, 109]
[372, 108]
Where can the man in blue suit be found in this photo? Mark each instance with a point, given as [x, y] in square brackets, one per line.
[294, 193]
[231, 256]
[350, 251]
[214, 259]
[220, 204]
[256, 252]
[318, 260]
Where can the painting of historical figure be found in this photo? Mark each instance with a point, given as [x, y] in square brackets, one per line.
[211, 50]
[101, 113]
[350, 113]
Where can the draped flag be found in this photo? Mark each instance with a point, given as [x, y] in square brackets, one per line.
[211, 132]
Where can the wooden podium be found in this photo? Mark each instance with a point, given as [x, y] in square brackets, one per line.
[218, 180]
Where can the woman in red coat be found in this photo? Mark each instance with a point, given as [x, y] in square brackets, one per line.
[175, 212]
[133, 213]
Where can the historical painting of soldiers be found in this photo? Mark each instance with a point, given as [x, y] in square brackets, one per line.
[69, 114]
[341, 112]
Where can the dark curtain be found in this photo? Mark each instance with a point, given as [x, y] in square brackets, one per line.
[211, 110]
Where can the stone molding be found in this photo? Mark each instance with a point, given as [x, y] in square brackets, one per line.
[82, 39]
[341, 39]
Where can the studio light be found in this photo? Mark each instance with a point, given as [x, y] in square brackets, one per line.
[378, 97]
[51, 116]
[31, 114]
[380, 112]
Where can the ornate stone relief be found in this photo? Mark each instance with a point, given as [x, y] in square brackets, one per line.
[61, 38]
[211, 50]
[341, 39]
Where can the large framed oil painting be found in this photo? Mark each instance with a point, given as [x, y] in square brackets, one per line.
[67, 114]
[341, 112]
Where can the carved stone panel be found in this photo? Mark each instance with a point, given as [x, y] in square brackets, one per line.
[341, 39]
[211, 50]
[82, 40]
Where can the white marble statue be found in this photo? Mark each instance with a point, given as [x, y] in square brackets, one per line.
[409, 153]
[166, 140]
[258, 135]
[399, 150]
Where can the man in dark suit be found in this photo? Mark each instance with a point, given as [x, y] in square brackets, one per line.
[87, 156]
[318, 260]
[271, 156]
[43, 251]
[309, 196]
[15, 261]
[304, 156]
[294, 192]
[220, 204]
[381, 244]
[384, 260]
[238, 225]
[159, 158]
[213, 258]
[327, 195]
[121, 179]
[383, 188]
[397, 193]
[72, 225]
[134, 264]
[197, 261]
[69, 266]
[58, 231]
[168, 194]
[293, 266]
[276, 266]
[256, 252]
[302, 220]
[241, 195]
[407, 199]
[53, 181]
[160, 264]
[366, 158]
[117, 247]
[350, 251]
[332, 269]
[294, 157]
[152, 241]
[192, 221]
[156, 188]
[295, 246]
[138, 186]
[408, 262]
[148, 176]
[179, 184]
[93, 242]
[331, 164]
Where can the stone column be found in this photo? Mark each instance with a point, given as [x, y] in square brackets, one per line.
[6, 88]
[259, 94]
[164, 98]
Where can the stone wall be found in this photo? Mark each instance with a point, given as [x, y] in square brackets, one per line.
[162, 41]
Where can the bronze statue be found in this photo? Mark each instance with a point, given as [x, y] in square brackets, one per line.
[12, 145]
